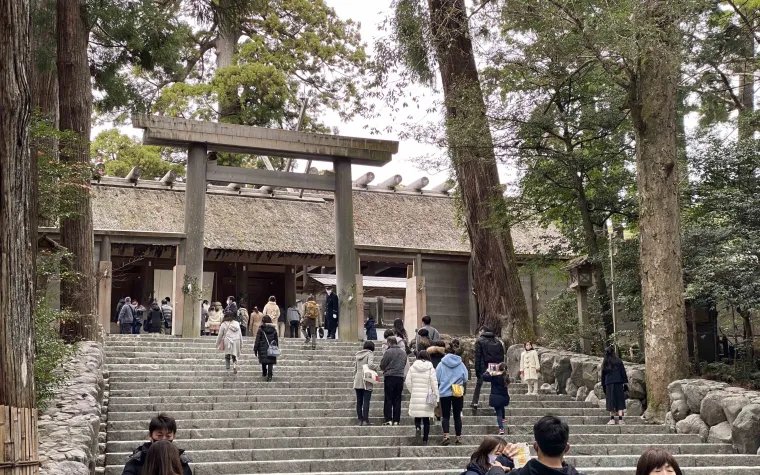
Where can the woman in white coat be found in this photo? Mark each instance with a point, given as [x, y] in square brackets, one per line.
[529, 367]
[230, 340]
[215, 317]
[422, 384]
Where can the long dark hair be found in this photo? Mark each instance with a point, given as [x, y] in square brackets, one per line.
[504, 373]
[653, 459]
[611, 360]
[162, 459]
[480, 456]
[398, 329]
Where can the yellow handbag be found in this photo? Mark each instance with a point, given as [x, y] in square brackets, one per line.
[457, 390]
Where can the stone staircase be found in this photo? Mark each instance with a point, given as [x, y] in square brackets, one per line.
[305, 422]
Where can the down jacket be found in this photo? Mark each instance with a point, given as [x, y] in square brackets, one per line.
[266, 334]
[529, 365]
[421, 381]
[232, 336]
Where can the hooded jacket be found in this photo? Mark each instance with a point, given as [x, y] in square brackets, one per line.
[136, 461]
[267, 334]
[394, 362]
[363, 357]
[488, 349]
[168, 313]
[450, 371]
[530, 364]
[127, 314]
[421, 381]
[232, 336]
[534, 467]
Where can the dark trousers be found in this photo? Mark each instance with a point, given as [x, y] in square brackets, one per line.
[394, 385]
[136, 326]
[447, 405]
[476, 393]
[500, 411]
[425, 421]
[294, 329]
[332, 326]
[267, 369]
[363, 397]
[126, 328]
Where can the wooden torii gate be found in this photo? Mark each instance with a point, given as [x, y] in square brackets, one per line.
[200, 137]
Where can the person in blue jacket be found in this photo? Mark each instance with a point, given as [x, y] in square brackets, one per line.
[451, 371]
[499, 398]
[369, 325]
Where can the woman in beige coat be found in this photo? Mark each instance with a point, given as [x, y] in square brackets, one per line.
[363, 388]
[215, 316]
[529, 367]
[254, 321]
[271, 309]
[230, 340]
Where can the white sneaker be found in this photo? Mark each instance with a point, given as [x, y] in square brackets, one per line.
[234, 368]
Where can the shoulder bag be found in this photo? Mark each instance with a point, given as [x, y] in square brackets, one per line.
[273, 350]
[369, 376]
[431, 400]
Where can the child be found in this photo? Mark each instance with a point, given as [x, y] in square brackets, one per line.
[369, 325]
[530, 365]
[499, 398]
[230, 340]
[162, 427]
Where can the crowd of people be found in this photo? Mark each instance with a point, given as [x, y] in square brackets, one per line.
[494, 456]
[133, 317]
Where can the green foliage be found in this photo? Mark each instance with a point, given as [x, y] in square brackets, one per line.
[745, 375]
[560, 328]
[410, 26]
[722, 226]
[121, 153]
[50, 352]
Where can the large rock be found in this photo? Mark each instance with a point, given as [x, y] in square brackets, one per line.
[695, 391]
[582, 393]
[693, 425]
[633, 408]
[547, 367]
[599, 391]
[562, 370]
[680, 409]
[591, 374]
[711, 408]
[546, 389]
[576, 371]
[513, 361]
[571, 389]
[670, 423]
[637, 384]
[746, 430]
[732, 406]
[592, 398]
[720, 433]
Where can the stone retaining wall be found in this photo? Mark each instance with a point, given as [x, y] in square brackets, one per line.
[579, 376]
[717, 412]
[68, 429]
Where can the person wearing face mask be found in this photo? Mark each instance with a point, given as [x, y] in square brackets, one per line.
[551, 435]
[657, 462]
[488, 459]
[162, 427]
[332, 312]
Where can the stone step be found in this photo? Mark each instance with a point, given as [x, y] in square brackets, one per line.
[279, 382]
[275, 404]
[376, 410]
[608, 441]
[136, 430]
[268, 390]
[243, 454]
[249, 373]
[587, 471]
[419, 462]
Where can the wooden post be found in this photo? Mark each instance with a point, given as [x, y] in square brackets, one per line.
[583, 316]
[195, 208]
[290, 286]
[345, 251]
[105, 283]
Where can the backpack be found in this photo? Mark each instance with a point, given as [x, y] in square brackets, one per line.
[311, 310]
[242, 316]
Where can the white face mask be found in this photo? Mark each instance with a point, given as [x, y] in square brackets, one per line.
[329, 291]
[491, 458]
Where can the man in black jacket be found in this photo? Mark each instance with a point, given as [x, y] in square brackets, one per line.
[162, 427]
[488, 350]
[552, 435]
[332, 312]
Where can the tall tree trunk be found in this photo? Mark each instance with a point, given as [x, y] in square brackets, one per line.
[497, 283]
[749, 334]
[229, 33]
[592, 244]
[75, 99]
[653, 107]
[746, 71]
[17, 395]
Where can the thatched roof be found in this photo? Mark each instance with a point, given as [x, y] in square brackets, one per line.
[275, 225]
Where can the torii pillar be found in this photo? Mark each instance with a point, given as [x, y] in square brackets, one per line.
[346, 262]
